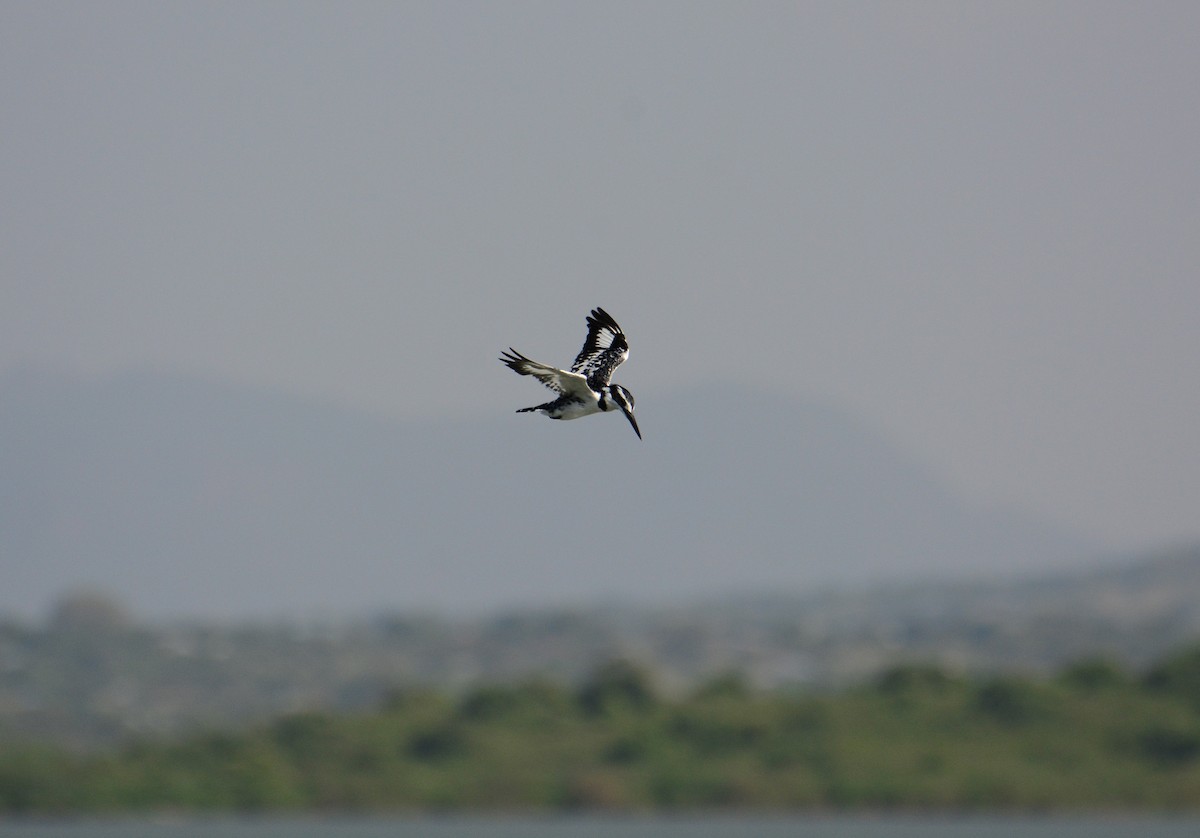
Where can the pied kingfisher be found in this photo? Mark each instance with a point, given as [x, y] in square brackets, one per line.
[585, 389]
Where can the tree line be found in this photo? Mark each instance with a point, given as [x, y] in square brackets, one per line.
[917, 737]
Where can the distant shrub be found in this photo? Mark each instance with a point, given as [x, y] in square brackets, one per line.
[1010, 701]
[1168, 746]
[437, 742]
[488, 703]
[625, 750]
[31, 781]
[616, 685]
[1094, 674]
[1178, 675]
[593, 790]
[718, 733]
[304, 734]
[407, 699]
[687, 783]
[906, 678]
[728, 685]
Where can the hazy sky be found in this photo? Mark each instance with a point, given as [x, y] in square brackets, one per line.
[975, 225]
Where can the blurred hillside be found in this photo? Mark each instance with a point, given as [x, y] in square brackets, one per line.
[94, 673]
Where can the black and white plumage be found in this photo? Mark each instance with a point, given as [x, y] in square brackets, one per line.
[585, 388]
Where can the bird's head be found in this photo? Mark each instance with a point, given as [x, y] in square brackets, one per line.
[620, 398]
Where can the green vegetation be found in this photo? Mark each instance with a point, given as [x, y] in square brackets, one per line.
[917, 737]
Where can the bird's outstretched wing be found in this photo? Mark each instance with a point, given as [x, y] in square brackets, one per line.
[560, 381]
[603, 351]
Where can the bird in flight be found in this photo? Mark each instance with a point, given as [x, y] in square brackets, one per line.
[584, 389]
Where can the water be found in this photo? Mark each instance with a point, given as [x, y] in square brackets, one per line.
[632, 827]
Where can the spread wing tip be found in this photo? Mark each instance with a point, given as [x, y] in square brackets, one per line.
[599, 318]
[511, 358]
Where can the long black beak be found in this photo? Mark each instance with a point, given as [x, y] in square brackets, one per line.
[632, 421]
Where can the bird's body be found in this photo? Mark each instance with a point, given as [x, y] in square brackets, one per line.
[585, 388]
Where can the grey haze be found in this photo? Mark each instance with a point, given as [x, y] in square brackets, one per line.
[178, 497]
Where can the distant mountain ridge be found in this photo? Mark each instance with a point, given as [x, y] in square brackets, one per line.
[180, 496]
